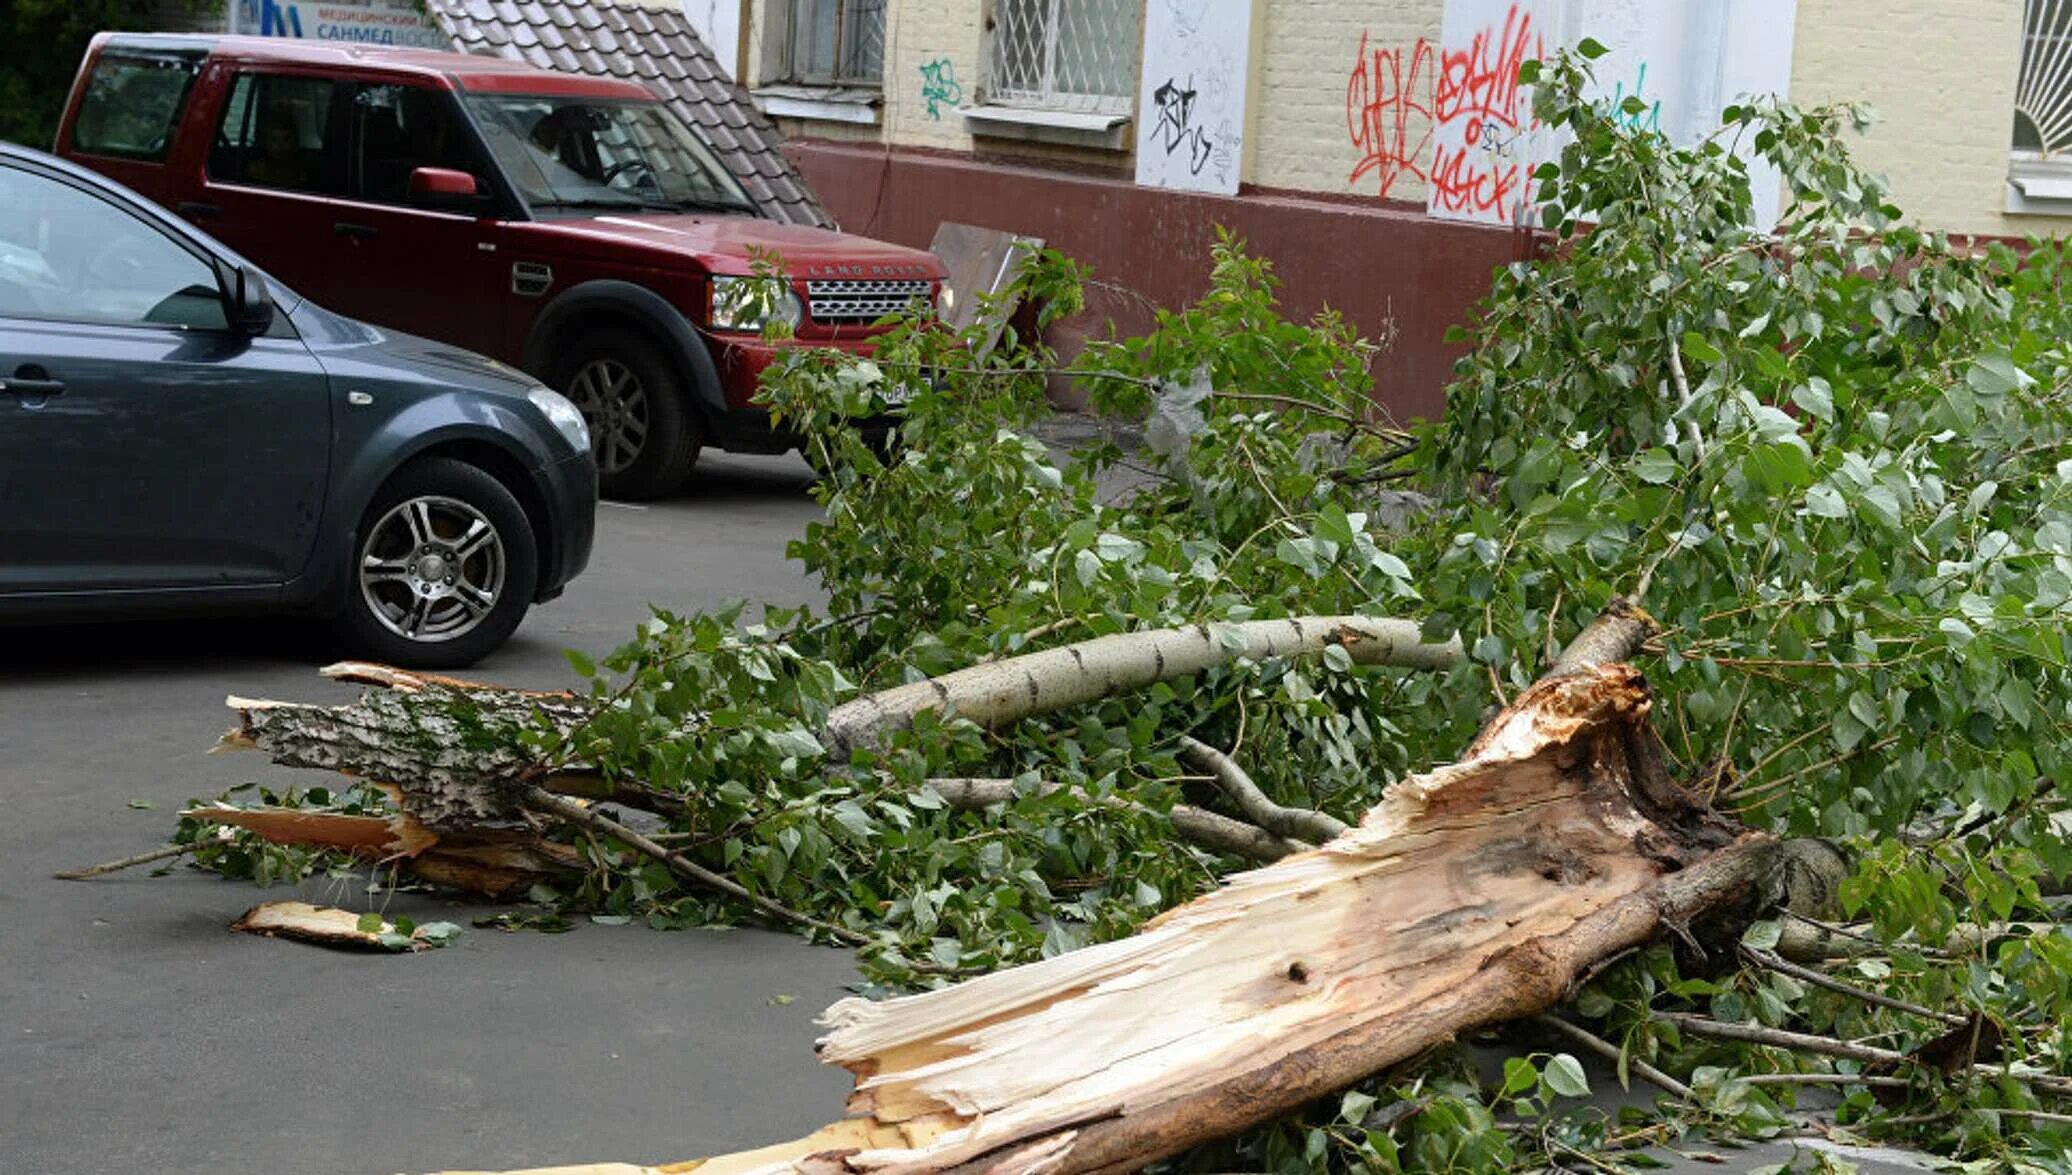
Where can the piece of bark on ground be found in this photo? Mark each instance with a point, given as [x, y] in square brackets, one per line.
[325, 926]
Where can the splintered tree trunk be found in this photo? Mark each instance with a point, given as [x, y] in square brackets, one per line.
[1475, 893]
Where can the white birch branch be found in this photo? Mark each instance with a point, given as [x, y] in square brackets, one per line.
[1001, 692]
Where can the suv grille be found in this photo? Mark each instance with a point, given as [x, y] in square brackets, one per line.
[847, 302]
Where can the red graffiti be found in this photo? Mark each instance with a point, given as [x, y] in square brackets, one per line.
[1379, 102]
[1469, 182]
[1402, 119]
[1480, 83]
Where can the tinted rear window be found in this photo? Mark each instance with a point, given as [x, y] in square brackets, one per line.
[131, 103]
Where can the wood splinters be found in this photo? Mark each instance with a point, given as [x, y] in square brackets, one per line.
[1475, 893]
[325, 926]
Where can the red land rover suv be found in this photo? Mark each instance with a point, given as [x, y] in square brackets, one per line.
[570, 226]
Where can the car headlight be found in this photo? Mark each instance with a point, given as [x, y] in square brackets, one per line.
[566, 418]
[751, 303]
[946, 301]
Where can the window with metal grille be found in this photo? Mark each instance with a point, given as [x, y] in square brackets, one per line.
[2043, 97]
[1078, 55]
[837, 42]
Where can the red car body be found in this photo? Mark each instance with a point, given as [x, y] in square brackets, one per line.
[496, 273]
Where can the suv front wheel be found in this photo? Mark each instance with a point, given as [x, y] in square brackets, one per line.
[443, 570]
[643, 434]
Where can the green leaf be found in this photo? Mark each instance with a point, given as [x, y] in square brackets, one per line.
[1656, 466]
[1815, 398]
[370, 923]
[581, 662]
[1763, 935]
[1590, 49]
[1995, 375]
[1564, 1076]
[1695, 346]
[1519, 1076]
[438, 934]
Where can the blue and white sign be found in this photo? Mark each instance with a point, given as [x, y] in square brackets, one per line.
[359, 22]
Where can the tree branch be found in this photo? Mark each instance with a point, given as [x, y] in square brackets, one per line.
[1612, 1053]
[1822, 980]
[1007, 691]
[541, 800]
[1299, 823]
[117, 866]
[1210, 830]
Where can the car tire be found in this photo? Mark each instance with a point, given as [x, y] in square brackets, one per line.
[444, 566]
[644, 432]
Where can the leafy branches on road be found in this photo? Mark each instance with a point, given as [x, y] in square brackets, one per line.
[1832, 464]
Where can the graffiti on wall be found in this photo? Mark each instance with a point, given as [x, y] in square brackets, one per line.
[1482, 124]
[1191, 106]
[939, 87]
[1451, 115]
[1648, 117]
[1388, 113]
[1176, 130]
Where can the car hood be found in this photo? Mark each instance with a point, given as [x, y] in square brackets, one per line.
[728, 244]
[373, 350]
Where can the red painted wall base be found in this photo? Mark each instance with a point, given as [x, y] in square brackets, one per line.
[1380, 265]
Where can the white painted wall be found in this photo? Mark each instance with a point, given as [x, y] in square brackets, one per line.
[1686, 59]
[1196, 73]
[719, 23]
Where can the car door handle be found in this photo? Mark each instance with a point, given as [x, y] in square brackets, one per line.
[16, 385]
[346, 228]
[196, 210]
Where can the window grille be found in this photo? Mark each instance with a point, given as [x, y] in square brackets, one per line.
[1077, 55]
[838, 42]
[2043, 97]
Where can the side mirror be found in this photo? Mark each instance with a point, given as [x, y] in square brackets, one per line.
[251, 309]
[443, 187]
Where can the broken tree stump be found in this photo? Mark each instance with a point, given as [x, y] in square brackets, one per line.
[1475, 893]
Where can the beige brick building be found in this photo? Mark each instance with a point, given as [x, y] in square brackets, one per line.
[1351, 140]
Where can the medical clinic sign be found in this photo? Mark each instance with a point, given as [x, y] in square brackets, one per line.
[361, 22]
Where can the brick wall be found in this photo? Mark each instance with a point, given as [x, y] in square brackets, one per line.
[1941, 75]
[1311, 49]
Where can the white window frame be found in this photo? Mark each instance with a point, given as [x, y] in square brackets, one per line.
[1046, 96]
[2040, 181]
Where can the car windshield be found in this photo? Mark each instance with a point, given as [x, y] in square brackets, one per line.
[589, 153]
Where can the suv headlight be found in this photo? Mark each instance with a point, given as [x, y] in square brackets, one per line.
[566, 418]
[751, 303]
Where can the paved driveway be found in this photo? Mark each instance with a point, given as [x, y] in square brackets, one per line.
[137, 1034]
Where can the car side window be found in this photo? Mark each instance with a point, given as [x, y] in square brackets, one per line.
[69, 255]
[131, 102]
[398, 129]
[282, 131]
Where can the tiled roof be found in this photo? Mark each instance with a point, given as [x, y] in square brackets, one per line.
[656, 48]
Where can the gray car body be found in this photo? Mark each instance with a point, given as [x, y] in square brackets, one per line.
[197, 470]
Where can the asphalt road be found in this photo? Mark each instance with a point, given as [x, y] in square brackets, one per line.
[138, 1034]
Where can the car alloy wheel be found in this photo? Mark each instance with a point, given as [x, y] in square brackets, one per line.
[614, 404]
[432, 569]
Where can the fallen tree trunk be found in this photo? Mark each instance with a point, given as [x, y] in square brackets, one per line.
[1476, 893]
